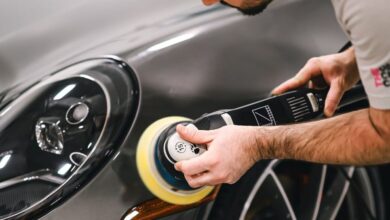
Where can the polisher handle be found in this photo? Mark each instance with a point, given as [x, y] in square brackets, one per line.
[291, 107]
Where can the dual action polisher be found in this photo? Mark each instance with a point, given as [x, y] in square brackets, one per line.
[160, 147]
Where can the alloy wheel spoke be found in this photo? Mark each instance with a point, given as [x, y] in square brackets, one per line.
[284, 195]
[319, 192]
[257, 187]
[333, 196]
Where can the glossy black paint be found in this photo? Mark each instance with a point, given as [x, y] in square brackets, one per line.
[189, 59]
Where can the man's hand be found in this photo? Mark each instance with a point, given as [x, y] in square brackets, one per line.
[339, 71]
[231, 151]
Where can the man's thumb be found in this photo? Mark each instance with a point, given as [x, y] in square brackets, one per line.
[191, 134]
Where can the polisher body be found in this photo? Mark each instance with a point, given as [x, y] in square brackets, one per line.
[160, 147]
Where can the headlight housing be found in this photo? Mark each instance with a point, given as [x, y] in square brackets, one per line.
[59, 132]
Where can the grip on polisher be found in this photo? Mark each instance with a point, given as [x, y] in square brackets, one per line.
[292, 107]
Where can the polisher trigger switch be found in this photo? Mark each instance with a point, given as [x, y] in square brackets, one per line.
[176, 149]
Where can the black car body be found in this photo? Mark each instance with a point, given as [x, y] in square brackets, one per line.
[182, 59]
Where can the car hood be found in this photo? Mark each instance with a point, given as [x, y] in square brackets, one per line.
[38, 37]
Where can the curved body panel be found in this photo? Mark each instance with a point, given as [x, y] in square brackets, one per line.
[189, 59]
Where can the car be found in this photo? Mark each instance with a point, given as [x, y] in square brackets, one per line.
[81, 80]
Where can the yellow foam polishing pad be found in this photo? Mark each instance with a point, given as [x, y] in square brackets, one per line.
[148, 171]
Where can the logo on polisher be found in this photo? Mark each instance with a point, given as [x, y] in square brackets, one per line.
[181, 147]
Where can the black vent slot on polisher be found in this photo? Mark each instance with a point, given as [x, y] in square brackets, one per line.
[299, 107]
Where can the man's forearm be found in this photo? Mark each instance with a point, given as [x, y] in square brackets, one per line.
[351, 138]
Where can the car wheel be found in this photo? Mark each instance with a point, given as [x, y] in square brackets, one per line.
[297, 190]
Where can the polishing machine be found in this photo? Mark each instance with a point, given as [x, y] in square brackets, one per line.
[160, 147]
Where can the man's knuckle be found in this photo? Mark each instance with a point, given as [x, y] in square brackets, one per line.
[230, 180]
[191, 182]
[184, 168]
[313, 61]
[222, 176]
[213, 161]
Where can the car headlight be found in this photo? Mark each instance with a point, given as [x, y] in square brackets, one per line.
[57, 133]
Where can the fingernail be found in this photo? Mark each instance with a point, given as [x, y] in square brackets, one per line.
[191, 126]
[181, 128]
[189, 129]
[328, 112]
